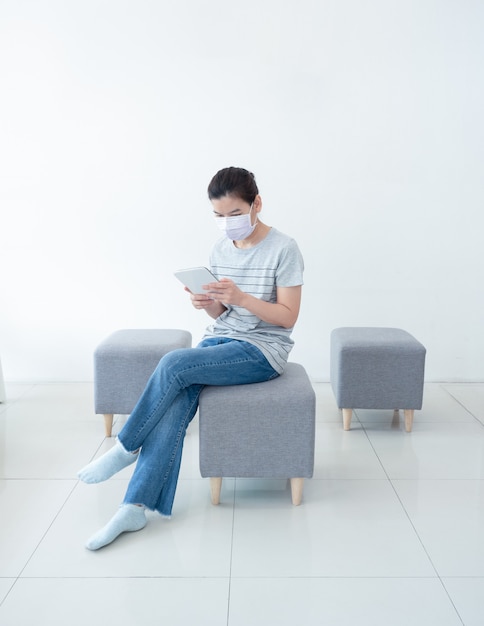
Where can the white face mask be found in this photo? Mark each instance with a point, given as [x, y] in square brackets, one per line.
[237, 227]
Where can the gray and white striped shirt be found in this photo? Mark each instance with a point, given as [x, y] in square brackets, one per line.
[274, 262]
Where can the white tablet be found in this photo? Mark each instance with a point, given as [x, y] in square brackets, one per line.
[195, 277]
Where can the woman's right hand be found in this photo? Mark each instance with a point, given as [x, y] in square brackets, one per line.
[204, 302]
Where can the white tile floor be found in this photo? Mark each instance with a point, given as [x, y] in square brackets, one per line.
[391, 529]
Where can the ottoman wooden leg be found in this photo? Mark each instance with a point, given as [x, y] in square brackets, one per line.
[347, 413]
[297, 485]
[108, 424]
[408, 419]
[215, 488]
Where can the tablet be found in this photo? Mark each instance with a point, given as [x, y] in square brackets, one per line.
[195, 277]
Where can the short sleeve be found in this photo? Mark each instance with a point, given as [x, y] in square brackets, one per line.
[291, 266]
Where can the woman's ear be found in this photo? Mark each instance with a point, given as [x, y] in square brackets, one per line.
[257, 203]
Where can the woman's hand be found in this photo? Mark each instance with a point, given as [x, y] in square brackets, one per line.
[200, 301]
[225, 291]
[207, 303]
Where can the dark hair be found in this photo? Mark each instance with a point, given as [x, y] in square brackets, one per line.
[233, 181]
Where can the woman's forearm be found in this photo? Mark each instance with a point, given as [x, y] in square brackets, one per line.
[271, 312]
[215, 310]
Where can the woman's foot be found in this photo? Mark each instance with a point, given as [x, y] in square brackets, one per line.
[108, 464]
[129, 518]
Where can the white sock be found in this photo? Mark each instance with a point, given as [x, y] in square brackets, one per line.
[108, 464]
[129, 518]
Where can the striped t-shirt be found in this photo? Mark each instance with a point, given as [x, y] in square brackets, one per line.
[274, 262]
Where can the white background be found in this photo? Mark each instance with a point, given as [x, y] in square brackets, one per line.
[362, 120]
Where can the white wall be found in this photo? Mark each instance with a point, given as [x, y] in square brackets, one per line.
[362, 120]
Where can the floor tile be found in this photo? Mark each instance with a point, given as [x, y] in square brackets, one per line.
[385, 515]
[121, 601]
[448, 517]
[340, 602]
[471, 396]
[440, 406]
[14, 391]
[343, 528]
[28, 509]
[326, 407]
[345, 454]
[5, 585]
[195, 542]
[44, 449]
[468, 596]
[50, 433]
[439, 450]
[55, 401]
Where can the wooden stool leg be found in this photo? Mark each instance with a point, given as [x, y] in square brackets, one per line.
[108, 424]
[347, 414]
[408, 419]
[297, 485]
[215, 488]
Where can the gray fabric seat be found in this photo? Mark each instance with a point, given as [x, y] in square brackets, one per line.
[259, 430]
[377, 368]
[123, 363]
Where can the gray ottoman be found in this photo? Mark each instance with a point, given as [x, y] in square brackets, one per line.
[123, 363]
[377, 368]
[259, 430]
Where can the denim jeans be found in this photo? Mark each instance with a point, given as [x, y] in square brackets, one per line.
[169, 402]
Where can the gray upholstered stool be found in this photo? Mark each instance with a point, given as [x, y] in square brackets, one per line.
[260, 430]
[377, 368]
[123, 363]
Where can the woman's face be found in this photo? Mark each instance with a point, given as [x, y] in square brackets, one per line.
[230, 206]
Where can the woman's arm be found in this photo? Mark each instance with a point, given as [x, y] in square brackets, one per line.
[283, 313]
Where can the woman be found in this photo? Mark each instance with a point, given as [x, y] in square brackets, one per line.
[254, 304]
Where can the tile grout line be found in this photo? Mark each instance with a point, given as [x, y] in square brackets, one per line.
[8, 403]
[461, 404]
[412, 525]
[74, 487]
[231, 552]
[17, 578]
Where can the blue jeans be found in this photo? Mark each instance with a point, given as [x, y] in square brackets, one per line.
[169, 402]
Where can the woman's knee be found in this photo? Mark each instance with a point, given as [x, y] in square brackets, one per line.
[174, 361]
